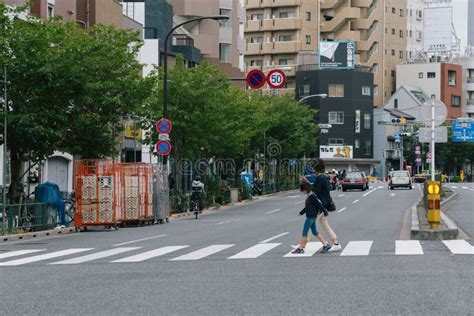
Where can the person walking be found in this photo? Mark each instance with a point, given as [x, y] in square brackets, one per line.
[312, 209]
[321, 188]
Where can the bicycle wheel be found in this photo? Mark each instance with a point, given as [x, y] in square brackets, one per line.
[70, 211]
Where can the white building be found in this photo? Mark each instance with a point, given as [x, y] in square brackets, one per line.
[468, 86]
[414, 32]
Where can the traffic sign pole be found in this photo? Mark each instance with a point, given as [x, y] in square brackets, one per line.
[433, 153]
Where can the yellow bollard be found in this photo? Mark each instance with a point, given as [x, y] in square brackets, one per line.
[433, 190]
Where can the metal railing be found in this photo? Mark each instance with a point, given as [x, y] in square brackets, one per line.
[27, 217]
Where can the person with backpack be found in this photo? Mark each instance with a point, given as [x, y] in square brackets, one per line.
[312, 209]
[321, 188]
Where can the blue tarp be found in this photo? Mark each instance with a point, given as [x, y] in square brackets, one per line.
[50, 194]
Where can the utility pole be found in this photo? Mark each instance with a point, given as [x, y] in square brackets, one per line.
[432, 147]
[4, 166]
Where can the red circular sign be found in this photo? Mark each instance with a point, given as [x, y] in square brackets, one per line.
[255, 79]
[163, 147]
[276, 79]
[164, 126]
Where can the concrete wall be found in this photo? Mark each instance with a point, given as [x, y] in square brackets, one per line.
[447, 90]
[408, 74]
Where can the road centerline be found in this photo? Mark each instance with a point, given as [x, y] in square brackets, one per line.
[356, 201]
[138, 240]
[225, 222]
[274, 211]
[342, 209]
[369, 192]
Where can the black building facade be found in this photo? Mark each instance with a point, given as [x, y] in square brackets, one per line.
[348, 108]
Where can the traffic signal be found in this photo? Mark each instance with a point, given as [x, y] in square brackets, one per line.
[433, 202]
[401, 121]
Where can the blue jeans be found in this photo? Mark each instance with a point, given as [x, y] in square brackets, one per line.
[310, 223]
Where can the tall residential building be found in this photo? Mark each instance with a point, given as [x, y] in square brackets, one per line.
[414, 32]
[468, 86]
[470, 23]
[276, 31]
[220, 43]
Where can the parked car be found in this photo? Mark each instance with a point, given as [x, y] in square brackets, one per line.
[400, 179]
[354, 180]
[419, 178]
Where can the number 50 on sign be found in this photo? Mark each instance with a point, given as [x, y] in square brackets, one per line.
[276, 79]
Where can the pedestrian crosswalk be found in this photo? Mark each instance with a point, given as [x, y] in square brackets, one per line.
[176, 253]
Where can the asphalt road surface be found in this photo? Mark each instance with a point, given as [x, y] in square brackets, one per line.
[237, 261]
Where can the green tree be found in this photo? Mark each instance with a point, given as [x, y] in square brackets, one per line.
[68, 88]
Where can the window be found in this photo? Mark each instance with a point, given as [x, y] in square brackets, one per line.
[393, 31]
[393, 10]
[336, 117]
[402, 13]
[357, 143]
[224, 52]
[455, 101]
[366, 90]
[393, 52]
[411, 12]
[401, 34]
[386, 30]
[420, 75]
[392, 73]
[400, 54]
[285, 61]
[431, 75]
[256, 17]
[256, 63]
[336, 90]
[308, 39]
[433, 97]
[367, 121]
[419, 14]
[286, 14]
[368, 147]
[336, 141]
[451, 77]
[289, 85]
[307, 16]
[395, 103]
[411, 33]
[285, 38]
[225, 23]
[256, 39]
[304, 90]
[50, 11]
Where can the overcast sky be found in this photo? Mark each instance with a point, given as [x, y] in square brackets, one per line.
[460, 20]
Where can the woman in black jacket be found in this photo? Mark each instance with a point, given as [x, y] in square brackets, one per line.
[321, 188]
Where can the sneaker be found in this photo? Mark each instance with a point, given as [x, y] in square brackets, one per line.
[295, 246]
[326, 248]
[298, 251]
[335, 248]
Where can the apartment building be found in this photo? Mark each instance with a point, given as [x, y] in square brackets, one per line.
[220, 43]
[276, 31]
[468, 86]
[414, 31]
[440, 81]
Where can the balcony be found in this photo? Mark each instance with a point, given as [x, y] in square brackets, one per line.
[330, 4]
[470, 101]
[281, 47]
[254, 49]
[281, 24]
[183, 44]
[392, 154]
[362, 3]
[470, 108]
[288, 73]
[254, 26]
[341, 17]
[255, 4]
[470, 85]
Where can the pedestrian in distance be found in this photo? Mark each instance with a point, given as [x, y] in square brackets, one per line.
[321, 188]
[312, 208]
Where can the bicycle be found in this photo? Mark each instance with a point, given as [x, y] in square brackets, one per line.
[70, 210]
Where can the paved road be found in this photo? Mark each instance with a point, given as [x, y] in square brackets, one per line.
[236, 262]
[462, 211]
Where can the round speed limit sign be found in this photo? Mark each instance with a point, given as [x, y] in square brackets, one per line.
[276, 79]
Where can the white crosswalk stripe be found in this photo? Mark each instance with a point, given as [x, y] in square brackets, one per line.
[151, 254]
[311, 249]
[357, 248]
[43, 257]
[459, 247]
[202, 253]
[18, 253]
[408, 247]
[255, 251]
[97, 255]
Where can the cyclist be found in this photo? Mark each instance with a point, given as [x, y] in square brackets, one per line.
[198, 192]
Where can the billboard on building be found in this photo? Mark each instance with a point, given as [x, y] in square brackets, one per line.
[335, 151]
[438, 29]
[336, 55]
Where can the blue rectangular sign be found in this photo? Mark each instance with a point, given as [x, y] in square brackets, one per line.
[463, 131]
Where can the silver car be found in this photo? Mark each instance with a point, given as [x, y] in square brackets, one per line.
[400, 179]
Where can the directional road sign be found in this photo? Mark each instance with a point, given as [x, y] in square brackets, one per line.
[463, 131]
[276, 79]
[163, 147]
[255, 79]
[441, 134]
[164, 126]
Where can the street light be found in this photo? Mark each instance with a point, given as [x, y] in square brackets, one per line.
[165, 65]
[321, 95]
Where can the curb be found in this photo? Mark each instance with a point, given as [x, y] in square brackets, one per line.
[44, 233]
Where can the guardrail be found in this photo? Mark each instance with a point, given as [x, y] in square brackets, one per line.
[27, 217]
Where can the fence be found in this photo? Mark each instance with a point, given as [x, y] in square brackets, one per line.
[28, 217]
